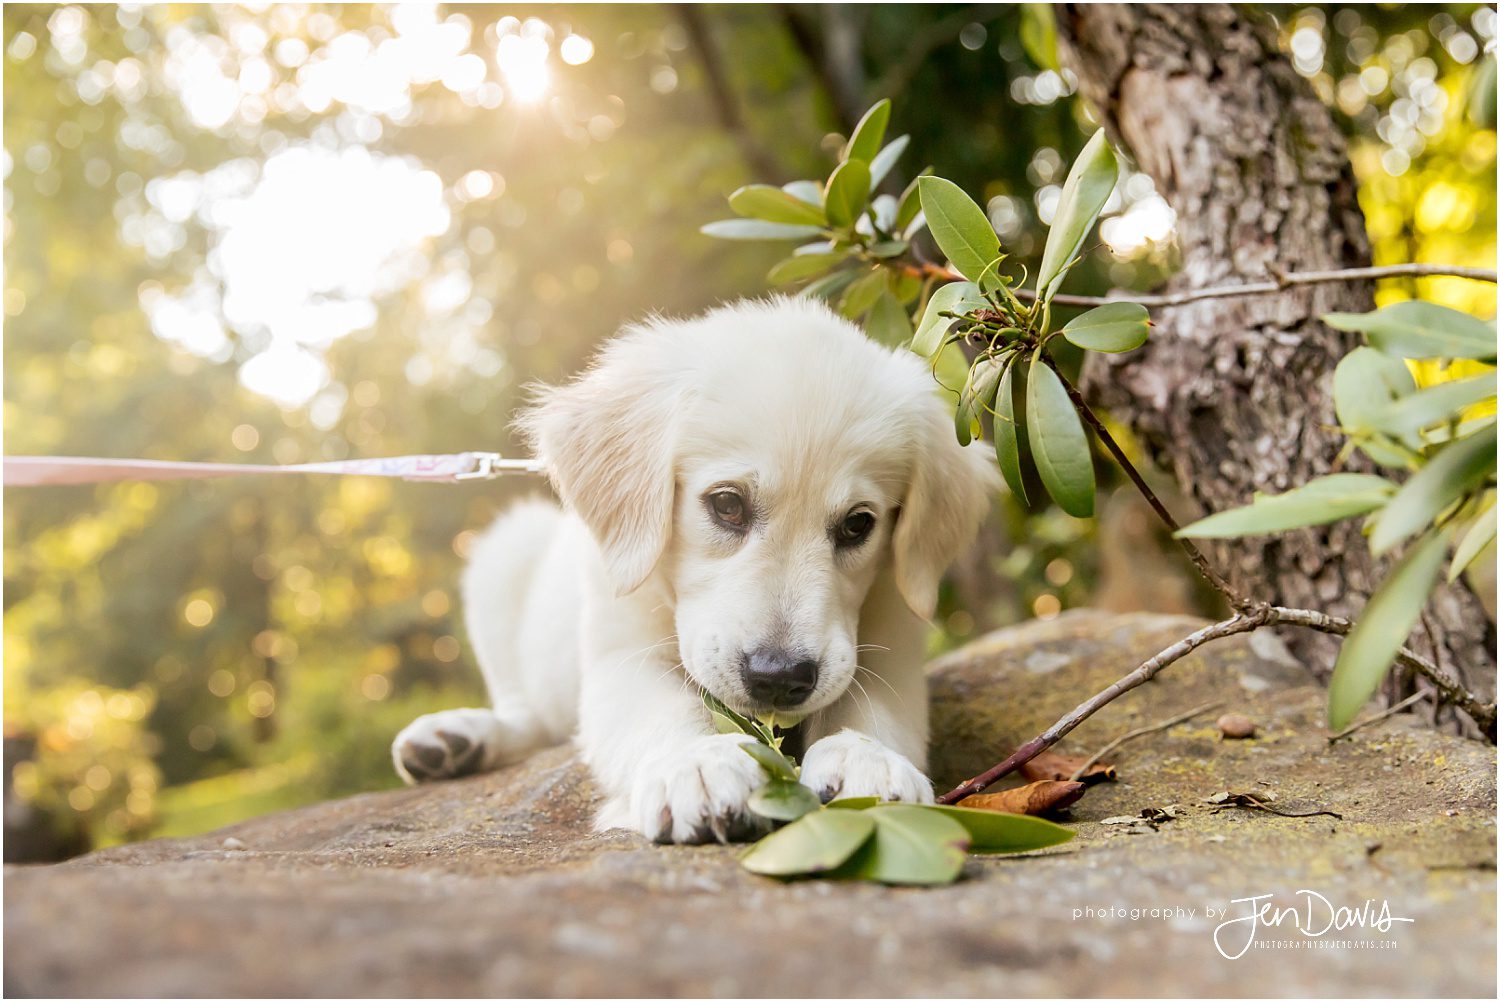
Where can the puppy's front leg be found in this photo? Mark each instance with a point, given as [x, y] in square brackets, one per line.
[872, 742]
[644, 731]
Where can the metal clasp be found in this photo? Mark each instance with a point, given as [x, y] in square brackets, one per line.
[484, 468]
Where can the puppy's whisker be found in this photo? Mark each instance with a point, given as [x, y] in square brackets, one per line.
[875, 675]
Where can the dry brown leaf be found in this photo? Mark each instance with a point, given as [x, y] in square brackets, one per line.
[1051, 765]
[1045, 797]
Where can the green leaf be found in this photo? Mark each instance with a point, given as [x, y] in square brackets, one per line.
[783, 800]
[853, 803]
[756, 229]
[816, 843]
[1366, 383]
[960, 227]
[910, 203]
[830, 285]
[1084, 193]
[1007, 443]
[723, 724]
[1454, 470]
[1382, 628]
[912, 845]
[881, 165]
[810, 192]
[802, 266]
[993, 831]
[1481, 533]
[864, 141]
[1326, 499]
[888, 324]
[1059, 448]
[955, 297]
[1441, 402]
[1420, 330]
[848, 189]
[978, 396]
[863, 294]
[887, 248]
[1039, 35]
[777, 765]
[741, 723]
[762, 201]
[1113, 327]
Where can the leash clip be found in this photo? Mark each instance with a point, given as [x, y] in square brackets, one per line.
[484, 467]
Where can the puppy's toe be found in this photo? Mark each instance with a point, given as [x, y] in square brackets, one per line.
[700, 795]
[851, 764]
[444, 745]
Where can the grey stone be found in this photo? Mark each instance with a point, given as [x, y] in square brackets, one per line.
[495, 885]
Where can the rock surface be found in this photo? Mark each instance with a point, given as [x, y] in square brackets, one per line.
[496, 886]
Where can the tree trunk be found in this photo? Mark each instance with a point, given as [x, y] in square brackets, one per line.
[1234, 395]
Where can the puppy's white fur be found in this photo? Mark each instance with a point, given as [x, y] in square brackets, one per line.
[603, 618]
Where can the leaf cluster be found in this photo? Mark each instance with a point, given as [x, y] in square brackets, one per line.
[863, 838]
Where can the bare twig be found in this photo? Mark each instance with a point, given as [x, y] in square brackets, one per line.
[1141, 732]
[1280, 283]
[1446, 687]
[1389, 711]
[1240, 623]
[1261, 616]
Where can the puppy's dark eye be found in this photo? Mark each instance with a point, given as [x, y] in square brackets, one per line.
[854, 528]
[729, 509]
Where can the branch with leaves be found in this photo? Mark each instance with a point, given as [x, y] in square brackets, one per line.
[858, 253]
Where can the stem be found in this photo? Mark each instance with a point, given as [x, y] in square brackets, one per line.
[1235, 599]
[1141, 732]
[1279, 283]
[1244, 622]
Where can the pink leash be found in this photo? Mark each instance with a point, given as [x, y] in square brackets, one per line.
[37, 471]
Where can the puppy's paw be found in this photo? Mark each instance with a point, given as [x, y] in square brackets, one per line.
[445, 745]
[851, 764]
[699, 794]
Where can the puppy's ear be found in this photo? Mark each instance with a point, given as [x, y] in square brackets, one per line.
[608, 441]
[947, 499]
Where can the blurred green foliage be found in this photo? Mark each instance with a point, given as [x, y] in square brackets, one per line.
[304, 231]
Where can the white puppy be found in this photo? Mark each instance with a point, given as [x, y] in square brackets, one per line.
[760, 502]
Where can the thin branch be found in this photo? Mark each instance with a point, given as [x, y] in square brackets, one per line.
[1389, 711]
[1449, 690]
[1266, 615]
[1141, 732]
[725, 104]
[1220, 585]
[1280, 283]
[1147, 670]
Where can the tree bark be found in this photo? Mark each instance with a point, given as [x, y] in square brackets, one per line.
[1234, 395]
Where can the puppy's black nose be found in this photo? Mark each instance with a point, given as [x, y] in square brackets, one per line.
[779, 678]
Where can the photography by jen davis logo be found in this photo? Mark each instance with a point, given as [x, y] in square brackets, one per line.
[1315, 920]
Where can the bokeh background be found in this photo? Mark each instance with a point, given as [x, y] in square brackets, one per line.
[293, 232]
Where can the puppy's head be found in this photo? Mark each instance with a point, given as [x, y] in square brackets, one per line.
[766, 462]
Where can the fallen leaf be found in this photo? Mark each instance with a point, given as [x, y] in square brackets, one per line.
[1258, 801]
[1045, 797]
[1122, 819]
[1051, 765]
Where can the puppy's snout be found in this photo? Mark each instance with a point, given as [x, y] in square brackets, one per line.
[779, 679]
